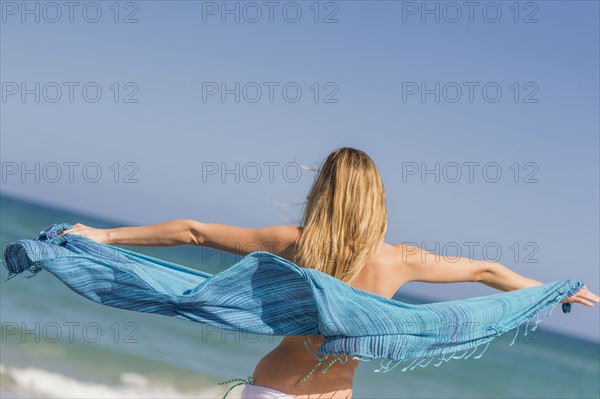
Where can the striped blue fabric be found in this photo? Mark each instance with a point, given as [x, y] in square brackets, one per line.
[266, 294]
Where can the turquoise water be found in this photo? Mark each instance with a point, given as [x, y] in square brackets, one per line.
[58, 344]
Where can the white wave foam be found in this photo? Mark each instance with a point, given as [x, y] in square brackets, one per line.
[31, 380]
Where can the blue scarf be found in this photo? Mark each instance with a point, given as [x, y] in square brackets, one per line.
[266, 294]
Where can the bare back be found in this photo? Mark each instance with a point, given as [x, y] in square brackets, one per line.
[285, 365]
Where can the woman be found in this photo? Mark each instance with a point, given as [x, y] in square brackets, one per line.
[342, 234]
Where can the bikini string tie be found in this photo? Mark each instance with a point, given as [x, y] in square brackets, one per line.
[241, 381]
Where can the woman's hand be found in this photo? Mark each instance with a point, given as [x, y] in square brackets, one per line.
[98, 235]
[583, 296]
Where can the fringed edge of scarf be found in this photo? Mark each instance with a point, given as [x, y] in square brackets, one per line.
[424, 361]
[47, 235]
[33, 269]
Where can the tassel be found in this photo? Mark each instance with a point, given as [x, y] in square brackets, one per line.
[33, 269]
[430, 359]
[537, 321]
[387, 368]
[315, 354]
[461, 356]
[360, 358]
[418, 364]
[383, 367]
[552, 309]
[484, 349]
[471, 354]
[405, 368]
[516, 333]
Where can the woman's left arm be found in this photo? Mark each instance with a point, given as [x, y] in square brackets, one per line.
[502, 278]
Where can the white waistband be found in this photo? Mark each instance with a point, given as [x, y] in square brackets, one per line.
[259, 392]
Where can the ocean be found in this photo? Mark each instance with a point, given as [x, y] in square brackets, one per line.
[57, 344]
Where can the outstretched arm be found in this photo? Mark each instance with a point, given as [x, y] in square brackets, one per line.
[244, 240]
[172, 232]
[238, 240]
[502, 278]
[418, 264]
[421, 265]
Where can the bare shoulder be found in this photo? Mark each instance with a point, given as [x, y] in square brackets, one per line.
[288, 236]
[409, 259]
[286, 232]
[285, 236]
[418, 264]
[399, 253]
[394, 259]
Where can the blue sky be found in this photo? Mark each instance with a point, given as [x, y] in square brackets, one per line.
[163, 141]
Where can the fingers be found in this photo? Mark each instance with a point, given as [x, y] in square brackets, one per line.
[71, 230]
[585, 299]
[591, 297]
[584, 302]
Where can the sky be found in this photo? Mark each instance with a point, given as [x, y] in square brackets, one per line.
[483, 119]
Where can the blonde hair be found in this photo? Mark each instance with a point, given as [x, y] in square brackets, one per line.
[345, 216]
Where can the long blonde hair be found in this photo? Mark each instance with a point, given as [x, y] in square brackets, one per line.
[345, 216]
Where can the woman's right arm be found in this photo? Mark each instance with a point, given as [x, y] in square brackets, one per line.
[165, 234]
[234, 239]
[169, 233]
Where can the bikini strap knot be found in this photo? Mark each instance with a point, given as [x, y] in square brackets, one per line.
[241, 381]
